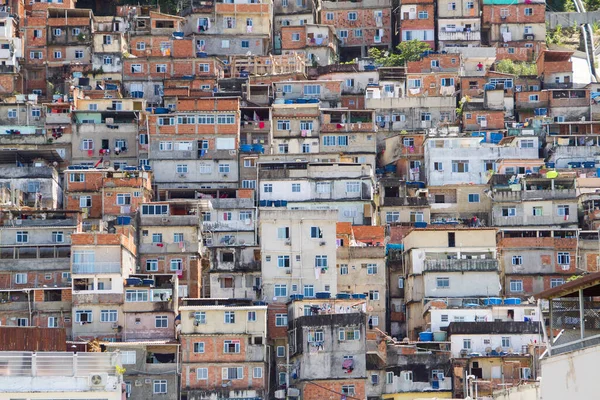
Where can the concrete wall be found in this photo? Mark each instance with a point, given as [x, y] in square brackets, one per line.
[215, 321]
[564, 19]
[570, 375]
[302, 251]
[462, 284]
[466, 240]
[478, 345]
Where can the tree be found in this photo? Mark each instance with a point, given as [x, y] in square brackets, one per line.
[406, 51]
[508, 66]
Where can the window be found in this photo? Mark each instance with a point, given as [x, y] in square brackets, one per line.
[78, 53]
[516, 285]
[161, 321]
[182, 168]
[443, 283]
[313, 89]
[348, 390]
[224, 168]
[352, 16]
[374, 295]
[460, 166]
[283, 148]
[295, 37]
[22, 237]
[392, 216]
[527, 144]
[283, 125]
[35, 55]
[280, 290]
[343, 269]
[505, 341]
[353, 187]
[295, 188]
[280, 351]
[467, 344]
[538, 211]
[414, 83]
[176, 264]
[372, 269]
[157, 238]
[451, 6]
[349, 334]
[21, 278]
[563, 211]
[438, 166]
[528, 12]
[200, 317]
[329, 16]
[509, 211]
[470, 5]
[554, 282]
[283, 261]
[22, 322]
[323, 187]
[201, 373]
[12, 113]
[309, 291]
[83, 316]
[52, 322]
[564, 258]
[328, 140]
[435, 63]
[57, 54]
[123, 199]
[283, 232]
[231, 346]
[268, 188]
[257, 372]
[136, 296]
[320, 261]
[473, 197]
[316, 232]
[199, 347]
[517, 260]
[108, 316]
[343, 34]
[141, 46]
[423, 15]
[160, 387]
[389, 377]
[57, 32]
[281, 319]
[232, 373]
[245, 44]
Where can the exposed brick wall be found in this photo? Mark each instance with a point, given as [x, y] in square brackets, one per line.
[331, 390]
[273, 331]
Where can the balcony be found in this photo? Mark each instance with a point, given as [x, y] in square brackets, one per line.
[533, 195]
[246, 225]
[96, 268]
[258, 127]
[174, 220]
[161, 248]
[93, 297]
[459, 36]
[462, 265]
[147, 306]
[58, 118]
[352, 127]
[534, 220]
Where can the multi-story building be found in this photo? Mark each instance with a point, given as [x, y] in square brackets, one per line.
[190, 150]
[517, 29]
[328, 347]
[236, 28]
[401, 202]
[106, 131]
[170, 242]
[450, 264]
[290, 13]
[109, 45]
[11, 49]
[359, 25]
[417, 21]
[458, 24]
[460, 160]
[318, 43]
[223, 347]
[101, 264]
[361, 268]
[35, 267]
[301, 257]
[311, 186]
[61, 374]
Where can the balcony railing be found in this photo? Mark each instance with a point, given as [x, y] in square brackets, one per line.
[96, 268]
[445, 35]
[460, 265]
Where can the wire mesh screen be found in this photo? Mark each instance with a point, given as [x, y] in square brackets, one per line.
[566, 322]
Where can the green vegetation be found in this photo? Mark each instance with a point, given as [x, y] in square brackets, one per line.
[405, 51]
[516, 68]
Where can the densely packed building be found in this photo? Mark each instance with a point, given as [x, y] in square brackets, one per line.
[241, 200]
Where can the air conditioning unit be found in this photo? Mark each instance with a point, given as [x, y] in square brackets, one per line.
[97, 380]
[147, 380]
[165, 220]
[138, 383]
[288, 242]
[182, 175]
[322, 243]
[232, 152]
[193, 257]
[115, 326]
[293, 392]
[528, 37]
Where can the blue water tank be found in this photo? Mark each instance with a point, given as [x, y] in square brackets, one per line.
[589, 164]
[301, 101]
[512, 301]
[426, 336]
[343, 296]
[492, 301]
[246, 148]
[201, 54]
[323, 295]
[359, 296]
[296, 297]
[420, 224]
[289, 101]
[550, 165]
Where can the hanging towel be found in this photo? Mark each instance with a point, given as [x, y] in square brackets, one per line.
[90, 153]
[261, 125]
[339, 126]
[507, 36]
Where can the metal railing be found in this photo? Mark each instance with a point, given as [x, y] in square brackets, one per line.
[96, 268]
[461, 265]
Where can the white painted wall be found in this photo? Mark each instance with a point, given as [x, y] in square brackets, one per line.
[476, 283]
[478, 344]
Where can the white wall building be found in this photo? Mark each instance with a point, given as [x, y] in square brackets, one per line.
[298, 253]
